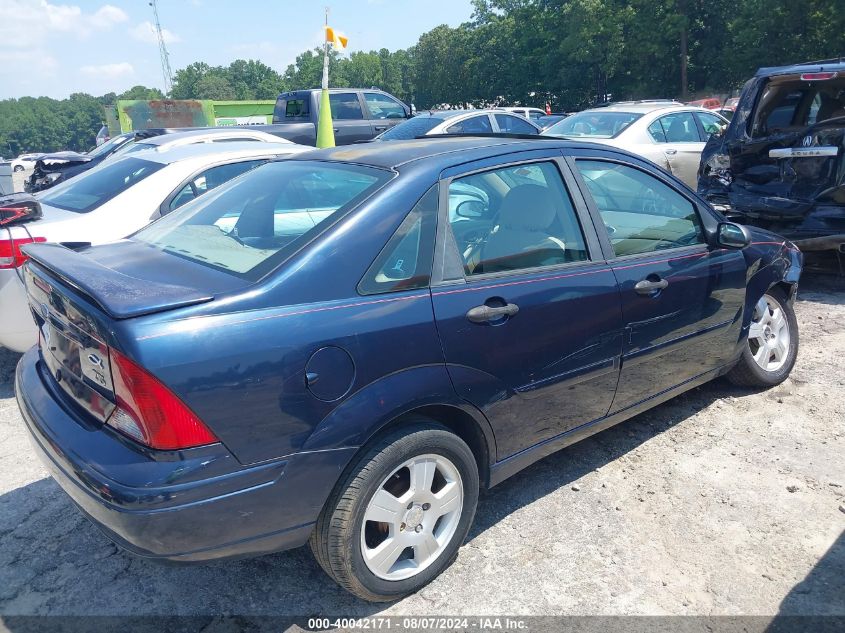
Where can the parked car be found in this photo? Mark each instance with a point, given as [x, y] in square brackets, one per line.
[669, 134]
[357, 115]
[51, 169]
[548, 120]
[331, 350]
[532, 114]
[459, 122]
[25, 161]
[781, 163]
[110, 202]
[58, 168]
[167, 142]
[710, 103]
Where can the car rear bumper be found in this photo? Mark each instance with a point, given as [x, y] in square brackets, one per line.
[248, 511]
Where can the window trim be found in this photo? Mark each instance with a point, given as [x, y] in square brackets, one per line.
[709, 222]
[428, 239]
[448, 267]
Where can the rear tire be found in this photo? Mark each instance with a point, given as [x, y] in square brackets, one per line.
[399, 516]
[18, 168]
[772, 344]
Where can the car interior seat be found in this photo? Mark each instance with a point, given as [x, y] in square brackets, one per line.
[524, 236]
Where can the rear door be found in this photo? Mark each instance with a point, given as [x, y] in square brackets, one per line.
[683, 145]
[527, 311]
[682, 299]
[350, 124]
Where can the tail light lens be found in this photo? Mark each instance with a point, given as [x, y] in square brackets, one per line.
[10, 251]
[150, 413]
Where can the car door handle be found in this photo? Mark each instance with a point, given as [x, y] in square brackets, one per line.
[647, 286]
[670, 152]
[380, 128]
[483, 313]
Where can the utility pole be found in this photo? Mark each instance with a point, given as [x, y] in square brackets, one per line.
[162, 49]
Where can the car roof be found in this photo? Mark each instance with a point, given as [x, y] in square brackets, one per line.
[441, 152]
[199, 134]
[640, 107]
[235, 149]
[809, 67]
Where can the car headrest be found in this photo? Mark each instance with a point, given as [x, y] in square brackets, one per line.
[528, 208]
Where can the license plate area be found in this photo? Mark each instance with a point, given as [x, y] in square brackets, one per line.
[81, 368]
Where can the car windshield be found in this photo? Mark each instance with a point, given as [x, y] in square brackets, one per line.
[249, 225]
[593, 123]
[94, 188]
[107, 147]
[412, 128]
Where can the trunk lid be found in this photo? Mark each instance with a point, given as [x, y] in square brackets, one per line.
[75, 300]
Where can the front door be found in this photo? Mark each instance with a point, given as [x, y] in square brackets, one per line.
[682, 300]
[683, 146]
[530, 323]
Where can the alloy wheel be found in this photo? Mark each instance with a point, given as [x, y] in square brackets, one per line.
[412, 517]
[768, 335]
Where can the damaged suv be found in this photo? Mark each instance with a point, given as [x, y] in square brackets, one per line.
[780, 165]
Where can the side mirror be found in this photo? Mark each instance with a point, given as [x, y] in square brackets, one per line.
[19, 208]
[472, 209]
[730, 235]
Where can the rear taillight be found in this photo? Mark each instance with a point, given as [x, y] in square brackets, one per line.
[10, 250]
[817, 76]
[150, 413]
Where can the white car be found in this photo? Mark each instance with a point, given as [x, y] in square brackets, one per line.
[165, 142]
[667, 133]
[25, 161]
[113, 200]
[532, 114]
[459, 122]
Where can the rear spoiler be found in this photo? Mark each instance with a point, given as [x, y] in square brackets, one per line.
[118, 295]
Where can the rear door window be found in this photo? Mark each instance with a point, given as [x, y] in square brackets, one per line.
[514, 125]
[473, 125]
[680, 128]
[345, 106]
[292, 109]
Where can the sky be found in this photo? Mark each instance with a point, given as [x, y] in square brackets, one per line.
[52, 48]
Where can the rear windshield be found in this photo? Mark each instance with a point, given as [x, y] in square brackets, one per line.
[94, 188]
[249, 225]
[292, 109]
[595, 124]
[412, 128]
[789, 104]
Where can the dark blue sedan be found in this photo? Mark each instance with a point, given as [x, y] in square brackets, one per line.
[343, 347]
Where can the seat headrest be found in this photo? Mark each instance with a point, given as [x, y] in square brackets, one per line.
[528, 208]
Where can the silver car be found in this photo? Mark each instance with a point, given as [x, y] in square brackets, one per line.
[460, 122]
[668, 133]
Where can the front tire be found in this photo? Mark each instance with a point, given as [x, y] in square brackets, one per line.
[398, 518]
[772, 345]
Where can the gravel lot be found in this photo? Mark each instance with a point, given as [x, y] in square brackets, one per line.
[719, 502]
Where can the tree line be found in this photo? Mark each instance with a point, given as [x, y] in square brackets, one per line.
[569, 53]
